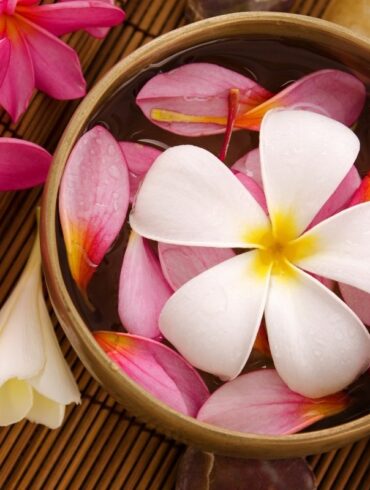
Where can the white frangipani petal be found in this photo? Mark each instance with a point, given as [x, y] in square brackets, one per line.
[214, 318]
[304, 157]
[22, 352]
[16, 398]
[341, 247]
[190, 197]
[318, 344]
[35, 381]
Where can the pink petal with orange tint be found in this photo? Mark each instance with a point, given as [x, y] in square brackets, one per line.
[198, 89]
[333, 93]
[70, 16]
[22, 164]
[156, 368]
[362, 193]
[4, 58]
[57, 67]
[139, 159]
[180, 263]
[340, 198]
[250, 165]
[143, 290]
[93, 201]
[259, 402]
[19, 81]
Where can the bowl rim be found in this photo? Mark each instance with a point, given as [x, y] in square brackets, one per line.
[137, 400]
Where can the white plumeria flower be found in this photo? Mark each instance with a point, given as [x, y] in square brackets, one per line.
[189, 197]
[35, 380]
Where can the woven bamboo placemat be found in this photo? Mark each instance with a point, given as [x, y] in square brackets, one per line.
[99, 445]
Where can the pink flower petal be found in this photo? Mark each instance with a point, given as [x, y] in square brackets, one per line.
[362, 193]
[340, 198]
[143, 290]
[260, 403]
[4, 58]
[250, 165]
[139, 159]
[18, 83]
[197, 89]
[57, 67]
[22, 164]
[333, 93]
[158, 369]
[254, 189]
[180, 264]
[358, 301]
[93, 201]
[70, 16]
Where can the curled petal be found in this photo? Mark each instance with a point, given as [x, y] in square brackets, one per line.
[57, 67]
[341, 247]
[259, 402]
[16, 401]
[332, 93]
[22, 164]
[158, 369]
[4, 58]
[358, 301]
[302, 155]
[319, 346]
[93, 201]
[180, 264]
[213, 319]
[139, 158]
[179, 202]
[340, 198]
[143, 290]
[71, 15]
[196, 92]
[250, 165]
[19, 81]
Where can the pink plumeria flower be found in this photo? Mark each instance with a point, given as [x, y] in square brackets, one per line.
[189, 197]
[37, 58]
[22, 164]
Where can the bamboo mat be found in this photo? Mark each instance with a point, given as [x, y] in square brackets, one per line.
[99, 445]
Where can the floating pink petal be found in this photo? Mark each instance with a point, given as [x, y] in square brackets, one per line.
[197, 91]
[143, 290]
[259, 402]
[180, 264]
[93, 201]
[22, 164]
[71, 15]
[37, 58]
[4, 58]
[333, 93]
[139, 159]
[158, 369]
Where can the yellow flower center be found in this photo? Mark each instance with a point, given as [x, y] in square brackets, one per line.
[279, 247]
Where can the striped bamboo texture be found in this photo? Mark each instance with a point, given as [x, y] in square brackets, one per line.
[99, 445]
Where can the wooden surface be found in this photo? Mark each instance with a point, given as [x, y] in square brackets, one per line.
[99, 445]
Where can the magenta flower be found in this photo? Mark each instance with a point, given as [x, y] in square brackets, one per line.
[31, 55]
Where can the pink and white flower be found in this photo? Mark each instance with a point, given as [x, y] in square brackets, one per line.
[189, 197]
[33, 57]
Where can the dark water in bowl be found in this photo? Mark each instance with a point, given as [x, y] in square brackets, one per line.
[273, 64]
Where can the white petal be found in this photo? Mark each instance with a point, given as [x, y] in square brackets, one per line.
[56, 381]
[342, 247]
[304, 157]
[46, 412]
[214, 318]
[318, 344]
[15, 401]
[21, 340]
[189, 197]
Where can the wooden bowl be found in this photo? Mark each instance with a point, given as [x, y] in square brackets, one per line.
[332, 40]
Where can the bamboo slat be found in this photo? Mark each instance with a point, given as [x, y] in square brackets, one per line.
[99, 445]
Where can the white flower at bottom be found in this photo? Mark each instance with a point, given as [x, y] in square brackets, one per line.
[35, 380]
[189, 197]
